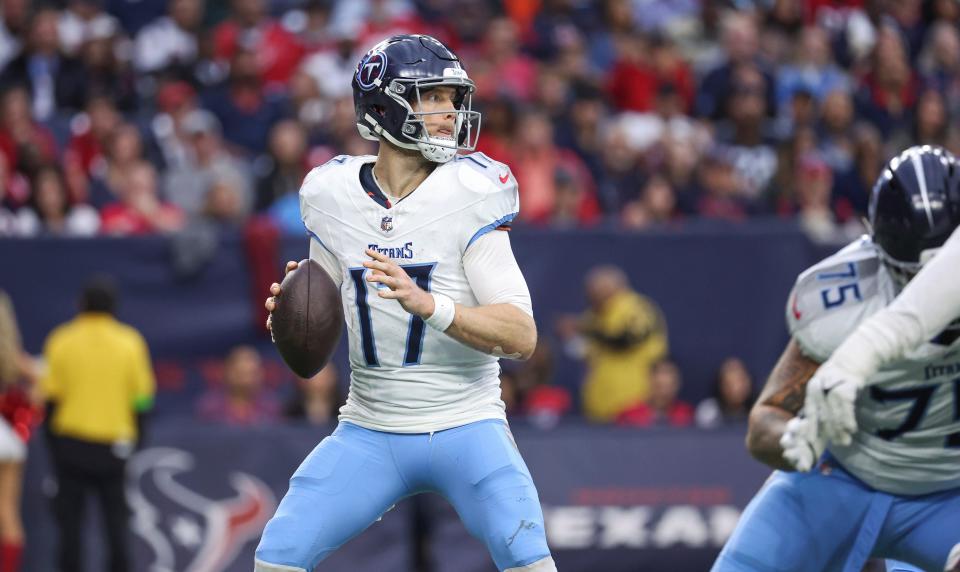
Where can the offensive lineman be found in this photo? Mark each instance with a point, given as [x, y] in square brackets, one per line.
[888, 484]
[432, 297]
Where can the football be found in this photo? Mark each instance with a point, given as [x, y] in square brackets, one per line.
[308, 319]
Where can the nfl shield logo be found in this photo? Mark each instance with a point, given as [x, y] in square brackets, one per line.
[386, 224]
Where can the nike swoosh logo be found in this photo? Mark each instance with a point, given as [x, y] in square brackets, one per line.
[504, 177]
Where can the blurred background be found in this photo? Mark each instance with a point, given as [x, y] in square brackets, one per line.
[679, 162]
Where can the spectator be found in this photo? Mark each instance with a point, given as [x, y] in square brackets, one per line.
[187, 185]
[241, 399]
[543, 403]
[86, 153]
[25, 143]
[739, 42]
[276, 52]
[732, 397]
[622, 334]
[316, 400]
[888, 91]
[718, 187]
[503, 70]
[535, 164]
[140, 210]
[13, 25]
[98, 385]
[16, 420]
[940, 63]
[123, 153]
[176, 100]
[814, 181]
[81, 20]
[662, 407]
[748, 133]
[636, 79]
[332, 70]
[813, 70]
[245, 110]
[284, 167]
[656, 205]
[169, 43]
[56, 83]
[499, 129]
[50, 211]
[107, 68]
[835, 131]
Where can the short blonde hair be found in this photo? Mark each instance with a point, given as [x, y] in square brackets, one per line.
[10, 347]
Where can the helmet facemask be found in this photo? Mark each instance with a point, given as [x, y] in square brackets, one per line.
[903, 272]
[466, 121]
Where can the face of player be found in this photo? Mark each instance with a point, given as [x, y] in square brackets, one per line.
[438, 104]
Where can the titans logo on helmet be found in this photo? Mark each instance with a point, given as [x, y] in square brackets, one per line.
[371, 70]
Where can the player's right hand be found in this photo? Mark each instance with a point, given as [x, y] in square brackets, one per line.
[271, 303]
[831, 397]
[802, 443]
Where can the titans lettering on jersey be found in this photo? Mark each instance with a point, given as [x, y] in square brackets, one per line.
[407, 377]
[405, 251]
[908, 440]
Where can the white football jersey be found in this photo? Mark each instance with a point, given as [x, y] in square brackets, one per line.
[908, 441]
[407, 377]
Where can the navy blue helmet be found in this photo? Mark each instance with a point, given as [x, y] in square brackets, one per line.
[392, 76]
[915, 206]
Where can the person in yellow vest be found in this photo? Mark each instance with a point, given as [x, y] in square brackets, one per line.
[620, 335]
[98, 385]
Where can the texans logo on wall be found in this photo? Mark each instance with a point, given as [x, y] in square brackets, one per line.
[189, 526]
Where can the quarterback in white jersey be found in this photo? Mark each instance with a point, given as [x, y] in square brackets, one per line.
[432, 297]
[886, 484]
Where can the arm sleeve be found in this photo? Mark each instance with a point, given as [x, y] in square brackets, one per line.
[144, 384]
[925, 307]
[49, 381]
[326, 259]
[493, 273]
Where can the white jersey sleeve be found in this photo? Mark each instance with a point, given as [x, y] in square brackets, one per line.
[493, 273]
[832, 297]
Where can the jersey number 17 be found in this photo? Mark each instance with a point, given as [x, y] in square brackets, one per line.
[420, 273]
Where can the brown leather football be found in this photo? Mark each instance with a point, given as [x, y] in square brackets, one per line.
[308, 319]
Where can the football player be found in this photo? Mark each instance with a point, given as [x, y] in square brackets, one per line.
[885, 453]
[433, 297]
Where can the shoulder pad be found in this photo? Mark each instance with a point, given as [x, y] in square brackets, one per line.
[499, 200]
[482, 174]
[832, 297]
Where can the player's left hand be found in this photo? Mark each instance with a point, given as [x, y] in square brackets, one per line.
[830, 401]
[802, 443]
[400, 286]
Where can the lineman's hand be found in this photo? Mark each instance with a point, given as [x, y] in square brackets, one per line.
[271, 303]
[399, 285]
[831, 399]
[802, 443]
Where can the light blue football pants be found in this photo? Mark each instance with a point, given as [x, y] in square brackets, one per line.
[355, 475]
[829, 521]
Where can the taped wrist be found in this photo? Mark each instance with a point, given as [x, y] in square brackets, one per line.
[444, 311]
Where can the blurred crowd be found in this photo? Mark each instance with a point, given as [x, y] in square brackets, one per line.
[125, 118]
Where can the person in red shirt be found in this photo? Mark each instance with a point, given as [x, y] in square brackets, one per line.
[278, 51]
[662, 407]
[140, 210]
